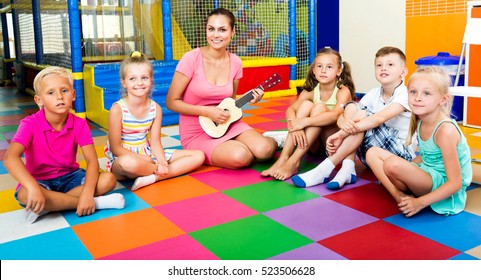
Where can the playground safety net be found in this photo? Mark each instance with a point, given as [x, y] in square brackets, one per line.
[55, 36]
[2, 49]
[2, 56]
[109, 30]
[112, 29]
[262, 28]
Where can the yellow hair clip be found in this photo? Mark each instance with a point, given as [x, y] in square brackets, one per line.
[136, 54]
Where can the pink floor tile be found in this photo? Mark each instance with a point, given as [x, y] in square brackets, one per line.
[204, 211]
[178, 248]
[225, 179]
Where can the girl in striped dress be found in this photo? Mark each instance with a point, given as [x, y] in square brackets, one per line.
[134, 149]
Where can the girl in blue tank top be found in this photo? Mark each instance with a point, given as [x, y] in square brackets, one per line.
[439, 176]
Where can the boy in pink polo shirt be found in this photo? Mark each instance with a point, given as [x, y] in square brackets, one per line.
[50, 179]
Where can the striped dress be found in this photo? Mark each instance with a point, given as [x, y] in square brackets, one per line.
[134, 132]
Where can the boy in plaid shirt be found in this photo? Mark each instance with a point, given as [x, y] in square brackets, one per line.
[381, 119]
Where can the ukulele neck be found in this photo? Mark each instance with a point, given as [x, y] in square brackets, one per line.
[246, 98]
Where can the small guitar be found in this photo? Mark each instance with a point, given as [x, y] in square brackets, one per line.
[216, 130]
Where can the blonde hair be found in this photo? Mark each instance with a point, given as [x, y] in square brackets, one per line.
[51, 70]
[442, 81]
[135, 58]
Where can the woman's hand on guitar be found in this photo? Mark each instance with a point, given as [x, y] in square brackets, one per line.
[218, 114]
[257, 95]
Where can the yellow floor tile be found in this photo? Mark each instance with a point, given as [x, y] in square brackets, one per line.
[8, 202]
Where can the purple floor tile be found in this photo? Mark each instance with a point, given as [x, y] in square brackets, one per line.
[10, 122]
[3, 144]
[319, 218]
[313, 251]
[9, 135]
[322, 190]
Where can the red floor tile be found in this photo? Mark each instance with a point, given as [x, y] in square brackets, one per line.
[372, 199]
[383, 241]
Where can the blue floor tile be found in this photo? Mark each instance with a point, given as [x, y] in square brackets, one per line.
[60, 244]
[459, 231]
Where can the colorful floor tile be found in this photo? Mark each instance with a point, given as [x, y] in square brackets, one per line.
[220, 214]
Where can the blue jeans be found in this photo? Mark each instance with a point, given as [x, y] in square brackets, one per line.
[62, 184]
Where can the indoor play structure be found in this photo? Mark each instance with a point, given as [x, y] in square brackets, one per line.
[90, 37]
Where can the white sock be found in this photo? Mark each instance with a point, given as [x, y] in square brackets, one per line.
[110, 201]
[346, 175]
[32, 216]
[143, 181]
[320, 174]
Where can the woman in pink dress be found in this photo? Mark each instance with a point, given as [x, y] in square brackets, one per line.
[203, 78]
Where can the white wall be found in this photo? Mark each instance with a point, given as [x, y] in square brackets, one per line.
[365, 27]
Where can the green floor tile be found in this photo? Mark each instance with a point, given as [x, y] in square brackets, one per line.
[261, 166]
[8, 128]
[252, 238]
[269, 195]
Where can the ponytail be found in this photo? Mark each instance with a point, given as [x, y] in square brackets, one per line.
[413, 125]
[346, 79]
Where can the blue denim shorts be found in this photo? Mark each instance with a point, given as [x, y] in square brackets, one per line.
[62, 184]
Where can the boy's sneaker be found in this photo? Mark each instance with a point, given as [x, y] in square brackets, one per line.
[279, 136]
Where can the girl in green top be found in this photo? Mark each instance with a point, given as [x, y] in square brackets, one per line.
[442, 171]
